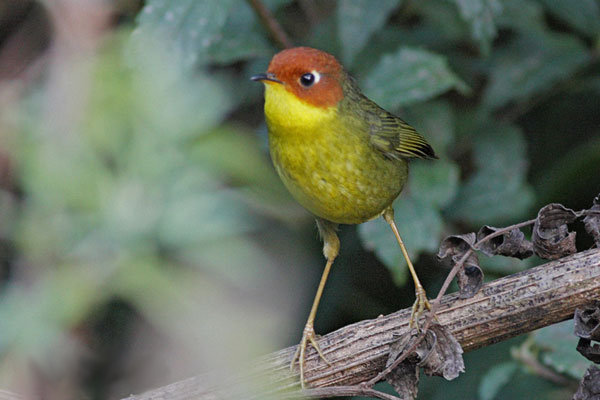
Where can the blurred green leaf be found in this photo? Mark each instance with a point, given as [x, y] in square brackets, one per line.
[8, 213]
[583, 15]
[495, 378]
[481, 16]
[440, 29]
[502, 266]
[497, 191]
[522, 15]
[443, 20]
[219, 31]
[215, 257]
[194, 215]
[434, 183]
[565, 174]
[357, 20]
[420, 226]
[193, 26]
[119, 184]
[435, 121]
[246, 162]
[532, 64]
[325, 37]
[410, 76]
[558, 349]
[239, 39]
[187, 99]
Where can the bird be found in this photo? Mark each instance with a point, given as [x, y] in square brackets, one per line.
[341, 156]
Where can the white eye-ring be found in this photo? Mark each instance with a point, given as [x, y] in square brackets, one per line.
[310, 78]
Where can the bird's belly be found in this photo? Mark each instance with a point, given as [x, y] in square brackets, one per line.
[348, 189]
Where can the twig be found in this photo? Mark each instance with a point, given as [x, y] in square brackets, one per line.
[523, 354]
[380, 376]
[464, 258]
[502, 309]
[441, 293]
[310, 10]
[267, 19]
[355, 390]
[476, 246]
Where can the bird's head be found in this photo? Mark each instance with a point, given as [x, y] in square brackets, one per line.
[312, 75]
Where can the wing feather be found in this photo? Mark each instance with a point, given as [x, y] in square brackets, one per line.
[394, 137]
[388, 133]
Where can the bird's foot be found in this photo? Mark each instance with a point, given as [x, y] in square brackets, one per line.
[421, 304]
[308, 336]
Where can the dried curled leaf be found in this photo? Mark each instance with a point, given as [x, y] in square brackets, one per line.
[587, 322]
[452, 250]
[405, 377]
[587, 328]
[405, 380]
[551, 236]
[445, 358]
[439, 353]
[509, 244]
[589, 388]
[592, 222]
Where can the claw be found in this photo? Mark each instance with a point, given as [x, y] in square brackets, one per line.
[308, 335]
[421, 304]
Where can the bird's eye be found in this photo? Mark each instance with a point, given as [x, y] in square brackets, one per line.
[309, 79]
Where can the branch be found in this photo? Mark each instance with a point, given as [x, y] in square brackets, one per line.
[502, 309]
[271, 24]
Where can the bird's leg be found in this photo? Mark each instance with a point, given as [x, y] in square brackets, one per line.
[331, 248]
[421, 303]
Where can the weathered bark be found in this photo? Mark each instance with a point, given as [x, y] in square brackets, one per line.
[502, 309]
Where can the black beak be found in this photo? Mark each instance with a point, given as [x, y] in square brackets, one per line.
[265, 77]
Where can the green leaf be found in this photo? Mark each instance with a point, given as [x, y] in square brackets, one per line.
[420, 226]
[442, 23]
[219, 214]
[245, 163]
[238, 40]
[497, 191]
[434, 182]
[521, 15]
[558, 345]
[481, 15]
[571, 172]
[435, 121]
[218, 31]
[582, 15]
[495, 379]
[409, 76]
[186, 99]
[532, 64]
[357, 20]
[502, 266]
[324, 36]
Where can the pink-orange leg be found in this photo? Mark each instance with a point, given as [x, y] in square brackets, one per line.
[421, 303]
[331, 247]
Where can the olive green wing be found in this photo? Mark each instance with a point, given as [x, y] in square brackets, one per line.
[395, 138]
[387, 133]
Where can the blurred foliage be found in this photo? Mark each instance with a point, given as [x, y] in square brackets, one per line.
[134, 178]
[557, 347]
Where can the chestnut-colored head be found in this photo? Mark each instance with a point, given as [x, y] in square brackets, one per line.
[312, 75]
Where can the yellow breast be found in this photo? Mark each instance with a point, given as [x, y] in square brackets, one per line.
[327, 164]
